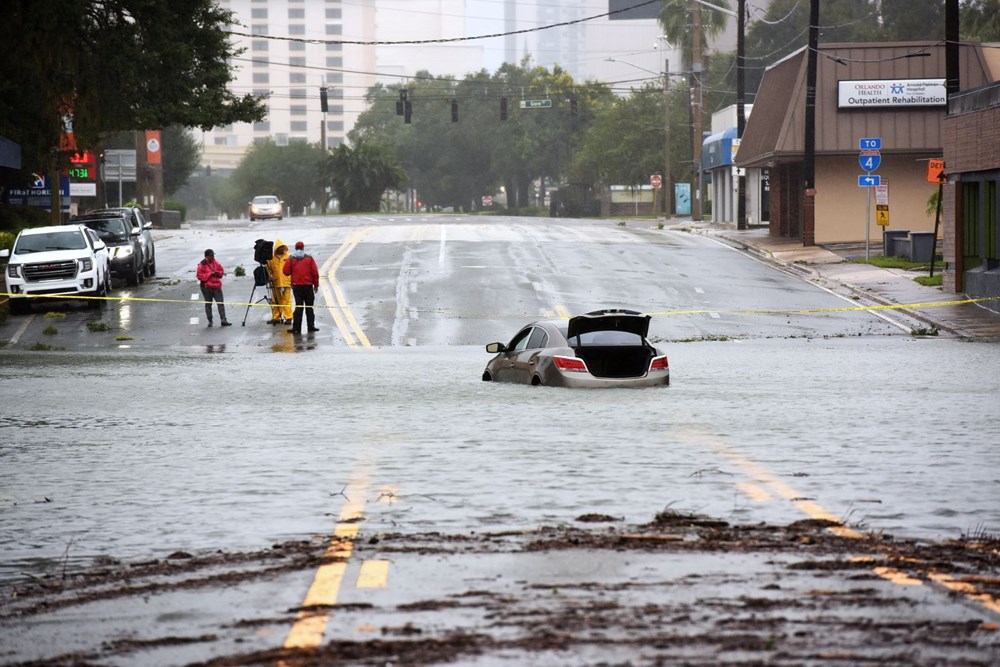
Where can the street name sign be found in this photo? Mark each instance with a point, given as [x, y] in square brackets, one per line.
[536, 104]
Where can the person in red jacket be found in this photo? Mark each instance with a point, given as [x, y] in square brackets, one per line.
[305, 283]
[210, 274]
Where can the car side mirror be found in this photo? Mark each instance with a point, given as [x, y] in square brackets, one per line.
[99, 245]
[495, 348]
[136, 231]
[148, 224]
[5, 253]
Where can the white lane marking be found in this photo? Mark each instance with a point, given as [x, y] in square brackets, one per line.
[195, 297]
[20, 330]
[194, 320]
[414, 314]
[714, 316]
[441, 254]
[699, 290]
[412, 342]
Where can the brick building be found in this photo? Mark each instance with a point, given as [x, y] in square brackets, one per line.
[971, 244]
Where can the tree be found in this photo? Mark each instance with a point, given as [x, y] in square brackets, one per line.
[359, 176]
[981, 20]
[181, 154]
[119, 65]
[676, 20]
[294, 173]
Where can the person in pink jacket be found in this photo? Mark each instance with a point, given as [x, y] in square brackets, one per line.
[210, 274]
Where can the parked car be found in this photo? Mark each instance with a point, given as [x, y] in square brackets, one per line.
[138, 221]
[604, 348]
[266, 206]
[121, 238]
[66, 260]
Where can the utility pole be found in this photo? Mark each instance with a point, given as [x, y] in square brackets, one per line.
[741, 116]
[668, 188]
[809, 168]
[696, 116]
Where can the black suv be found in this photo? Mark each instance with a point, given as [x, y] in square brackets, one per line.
[138, 221]
[122, 239]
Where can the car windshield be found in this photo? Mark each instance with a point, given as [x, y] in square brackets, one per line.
[71, 239]
[606, 338]
[110, 231]
[265, 200]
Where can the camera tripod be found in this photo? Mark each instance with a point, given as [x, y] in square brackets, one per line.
[261, 278]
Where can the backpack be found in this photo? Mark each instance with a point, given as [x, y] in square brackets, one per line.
[260, 276]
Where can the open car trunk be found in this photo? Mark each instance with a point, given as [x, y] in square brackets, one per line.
[615, 361]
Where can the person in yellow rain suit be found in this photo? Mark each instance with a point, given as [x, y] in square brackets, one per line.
[281, 298]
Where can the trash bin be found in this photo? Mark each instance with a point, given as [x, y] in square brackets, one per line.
[921, 246]
[891, 249]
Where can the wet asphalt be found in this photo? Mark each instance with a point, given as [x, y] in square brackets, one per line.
[158, 437]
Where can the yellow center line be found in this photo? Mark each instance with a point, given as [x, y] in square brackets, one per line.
[815, 511]
[310, 624]
[340, 309]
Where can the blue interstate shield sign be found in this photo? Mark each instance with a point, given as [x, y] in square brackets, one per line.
[870, 160]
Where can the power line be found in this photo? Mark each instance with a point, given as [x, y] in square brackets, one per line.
[442, 40]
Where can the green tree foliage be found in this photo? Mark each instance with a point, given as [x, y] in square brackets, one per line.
[360, 176]
[294, 173]
[181, 154]
[121, 64]
[981, 20]
[676, 20]
[456, 163]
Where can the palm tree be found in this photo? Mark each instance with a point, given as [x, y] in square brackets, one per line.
[675, 19]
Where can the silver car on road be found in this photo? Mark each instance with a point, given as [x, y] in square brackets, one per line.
[604, 348]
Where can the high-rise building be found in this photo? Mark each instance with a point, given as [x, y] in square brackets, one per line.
[292, 48]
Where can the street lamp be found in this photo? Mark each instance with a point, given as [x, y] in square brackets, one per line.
[667, 183]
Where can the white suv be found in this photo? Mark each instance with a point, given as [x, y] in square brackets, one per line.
[56, 261]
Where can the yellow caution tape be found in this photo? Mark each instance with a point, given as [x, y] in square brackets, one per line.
[561, 315]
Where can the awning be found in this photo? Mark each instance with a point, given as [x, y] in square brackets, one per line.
[717, 149]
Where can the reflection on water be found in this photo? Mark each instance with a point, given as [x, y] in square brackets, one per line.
[215, 349]
[143, 455]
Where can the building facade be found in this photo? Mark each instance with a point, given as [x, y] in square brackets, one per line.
[971, 245]
[890, 92]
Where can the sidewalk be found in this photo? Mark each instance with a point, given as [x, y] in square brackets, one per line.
[882, 286]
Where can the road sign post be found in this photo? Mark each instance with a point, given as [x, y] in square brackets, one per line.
[870, 159]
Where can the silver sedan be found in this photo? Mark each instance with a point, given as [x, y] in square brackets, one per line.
[604, 348]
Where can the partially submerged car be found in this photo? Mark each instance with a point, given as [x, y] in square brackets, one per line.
[603, 348]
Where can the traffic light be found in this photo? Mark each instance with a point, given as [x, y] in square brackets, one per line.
[323, 106]
[401, 102]
[503, 108]
[454, 111]
[572, 105]
[407, 110]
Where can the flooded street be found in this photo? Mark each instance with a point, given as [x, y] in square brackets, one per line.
[185, 441]
[238, 451]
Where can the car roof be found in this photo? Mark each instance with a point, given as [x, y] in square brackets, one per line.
[30, 231]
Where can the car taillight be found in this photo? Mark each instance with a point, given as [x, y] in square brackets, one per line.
[570, 364]
[658, 364]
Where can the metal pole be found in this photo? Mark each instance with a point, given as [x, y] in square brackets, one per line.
[741, 117]
[937, 220]
[808, 230]
[868, 218]
[696, 74]
[667, 187]
[119, 179]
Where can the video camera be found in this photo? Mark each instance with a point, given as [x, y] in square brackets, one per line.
[263, 251]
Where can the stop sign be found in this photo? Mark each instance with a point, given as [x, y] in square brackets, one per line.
[655, 181]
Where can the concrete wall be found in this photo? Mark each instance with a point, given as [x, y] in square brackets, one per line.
[841, 204]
